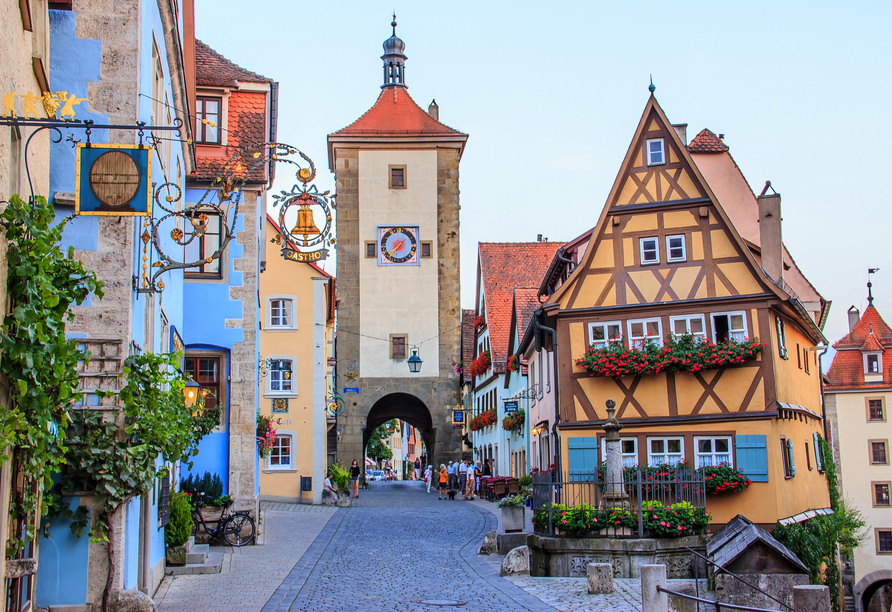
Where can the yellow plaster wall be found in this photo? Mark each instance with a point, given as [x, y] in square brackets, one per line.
[794, 386]
[678, 218]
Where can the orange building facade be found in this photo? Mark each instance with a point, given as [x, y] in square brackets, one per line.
[666, 259]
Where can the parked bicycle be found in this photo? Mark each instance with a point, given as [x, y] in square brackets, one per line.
[236, 528]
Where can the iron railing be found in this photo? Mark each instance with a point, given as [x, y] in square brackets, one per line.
[715, 604]
[733, 575]
[640, 492]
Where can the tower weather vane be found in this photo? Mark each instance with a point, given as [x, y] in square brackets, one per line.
[869, 285]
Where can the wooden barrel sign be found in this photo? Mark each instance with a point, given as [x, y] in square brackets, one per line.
[114, 179]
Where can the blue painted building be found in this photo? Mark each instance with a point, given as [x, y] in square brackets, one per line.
[127, 58]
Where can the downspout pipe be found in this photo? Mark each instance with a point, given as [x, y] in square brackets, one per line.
[537, 316]
[823, 404]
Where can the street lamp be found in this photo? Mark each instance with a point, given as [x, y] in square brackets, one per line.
[190, 393]
[414, 362]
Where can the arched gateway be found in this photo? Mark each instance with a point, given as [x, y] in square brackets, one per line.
[398, 282]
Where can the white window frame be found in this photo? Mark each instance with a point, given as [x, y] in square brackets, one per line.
[630, 459]
[656, 250]
[292, 466]
[684, 250]
[879, 357]
[531, 369]
[647, 152]
[701, 336]
[731, 333]
[641, 342]
[605, 326]
[541, 377]
[712, 454]
[292, 392]
[666, 453]
[270, 326]
[781, 332]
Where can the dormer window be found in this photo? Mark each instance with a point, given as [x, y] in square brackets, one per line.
[873, 367]
[873, 364]
[656, 155]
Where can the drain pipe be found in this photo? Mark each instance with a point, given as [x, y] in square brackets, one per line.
[557, 410]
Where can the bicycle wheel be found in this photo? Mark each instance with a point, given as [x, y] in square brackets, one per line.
[239, 530]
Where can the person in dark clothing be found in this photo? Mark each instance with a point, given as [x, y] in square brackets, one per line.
[354, 478]
[417, 469]
[487, 469]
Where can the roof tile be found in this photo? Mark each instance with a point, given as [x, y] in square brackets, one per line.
[214, 70]
[395, 113]
[468, 316]
[871, 334]
[707, 142]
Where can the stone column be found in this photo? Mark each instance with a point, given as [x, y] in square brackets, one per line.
[614, 496]
[653, 600]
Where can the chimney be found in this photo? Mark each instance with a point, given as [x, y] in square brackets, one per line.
[854, 317]
[770, 236]
[682, 130]
[433, 110]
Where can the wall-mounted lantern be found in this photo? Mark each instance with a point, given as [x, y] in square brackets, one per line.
[414, 362]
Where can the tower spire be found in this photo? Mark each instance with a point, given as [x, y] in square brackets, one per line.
[869, 285]
[394, 60]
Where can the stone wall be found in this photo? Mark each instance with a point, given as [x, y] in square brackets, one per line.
[730, 590]
[569, 557]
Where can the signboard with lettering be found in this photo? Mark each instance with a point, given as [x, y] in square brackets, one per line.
[510, 406]
[458, 418]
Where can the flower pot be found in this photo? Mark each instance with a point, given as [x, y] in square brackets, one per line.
[512, 519]
[176, 555]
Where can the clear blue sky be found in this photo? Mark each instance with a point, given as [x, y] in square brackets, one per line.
[551, 93]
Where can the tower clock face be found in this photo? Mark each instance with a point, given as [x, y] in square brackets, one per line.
[398, 245]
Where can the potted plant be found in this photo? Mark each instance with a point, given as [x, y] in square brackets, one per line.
[179, 528]
[512, 513]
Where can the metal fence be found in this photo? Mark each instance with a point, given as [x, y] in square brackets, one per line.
[631, 504]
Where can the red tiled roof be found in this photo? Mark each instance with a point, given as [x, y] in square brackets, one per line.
[247, 126]
[870, 334]
[395, 113]
[526, 302]
[707, 142]
[467, 341]
[504, 266]
[214, 70]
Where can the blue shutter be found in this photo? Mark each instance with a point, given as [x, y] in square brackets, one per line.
[752, 457]
[790, 455]
[818, 460]
[583, 458]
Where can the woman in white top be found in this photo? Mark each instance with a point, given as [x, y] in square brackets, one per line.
[427, 477]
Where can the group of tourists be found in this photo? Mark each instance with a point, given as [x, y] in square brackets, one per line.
[457, 476]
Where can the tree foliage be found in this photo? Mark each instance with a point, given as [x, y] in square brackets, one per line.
[38, 360]
[377, 449]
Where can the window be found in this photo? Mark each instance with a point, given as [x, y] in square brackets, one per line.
[426, 250]
[875, 410]
[533, 392]
[281, 455]
[601, 334]
[397, 346]
[281, 313]
[712, 451]
[787, 454]
[781, 338]
[729, 326]
[665, 450]
[650, 251]
[655, 154]
[805, 360]
[628, 449]
[644, 331]
[199, 249]
[884, 541]
[693, 325]
[370, 250]
[207, 119]
[15, 160]
[279, 375]
[397, 177]
[873, 364]
[881, 494]
[157, 101]
[206, 371]
[798, 356]
[807, 457]
[878, 452]
[817, 446]
[675, 250]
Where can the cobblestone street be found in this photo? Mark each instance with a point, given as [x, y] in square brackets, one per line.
[394, 549]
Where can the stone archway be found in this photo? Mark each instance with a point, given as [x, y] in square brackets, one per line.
[406, 407]
[868, 586]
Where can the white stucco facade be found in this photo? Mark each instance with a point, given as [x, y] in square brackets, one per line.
[398, 299]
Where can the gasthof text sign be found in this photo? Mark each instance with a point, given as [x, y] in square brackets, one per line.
[113, 180]
[511, 406]
[458, 417]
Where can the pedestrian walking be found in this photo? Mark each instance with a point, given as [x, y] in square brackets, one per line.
[487, 468]
[462, 475]
[451, 475]
[428, 477]
[417, 469]
[443, 477]
[469, 489]
[354, 478]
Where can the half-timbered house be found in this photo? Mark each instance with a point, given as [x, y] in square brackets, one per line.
[665, 260]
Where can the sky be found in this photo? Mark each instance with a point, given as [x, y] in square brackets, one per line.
[551, 94]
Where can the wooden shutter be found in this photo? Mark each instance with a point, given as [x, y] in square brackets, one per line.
[752, 457]
[818, 460]
[583, 458]
[164, 501]
[790, 455]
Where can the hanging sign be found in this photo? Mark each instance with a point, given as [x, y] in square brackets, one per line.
[113, 180]
[458, 418]
[304, 257]
[510, 406]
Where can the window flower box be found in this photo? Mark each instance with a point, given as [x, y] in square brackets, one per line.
[480, 365]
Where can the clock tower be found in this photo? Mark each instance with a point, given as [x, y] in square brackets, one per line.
[396, 169]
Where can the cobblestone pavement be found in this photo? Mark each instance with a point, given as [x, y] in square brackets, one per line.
[250, 574]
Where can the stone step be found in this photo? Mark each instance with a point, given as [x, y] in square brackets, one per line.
[212, 565]
[198, 554]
